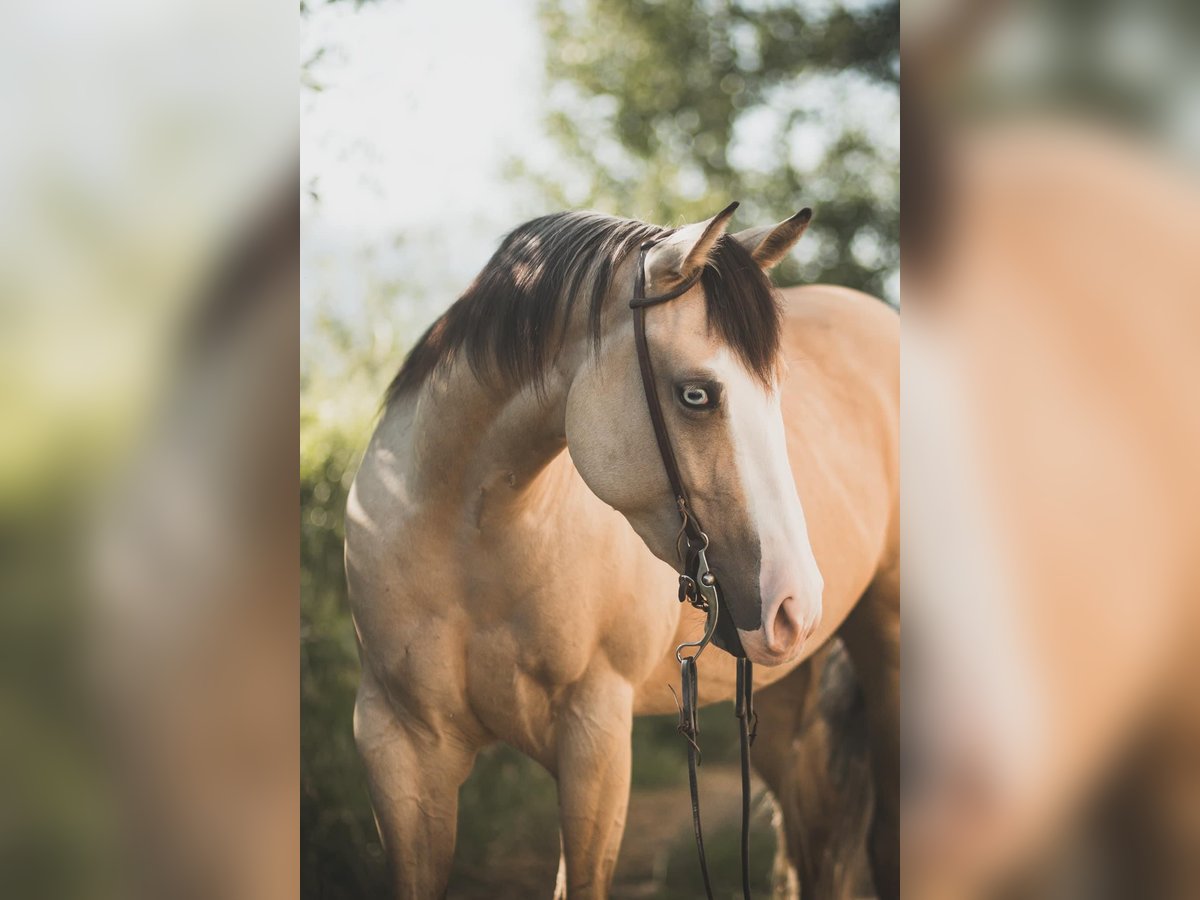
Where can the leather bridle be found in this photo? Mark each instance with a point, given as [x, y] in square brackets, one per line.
[698, 585]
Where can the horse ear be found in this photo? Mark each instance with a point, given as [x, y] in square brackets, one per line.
[678, 256]
[771, 243]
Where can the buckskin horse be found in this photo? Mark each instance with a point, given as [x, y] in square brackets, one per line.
[512, 532]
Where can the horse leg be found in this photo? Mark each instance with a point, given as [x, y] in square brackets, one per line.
[593, 738]
[414, 772]
[781, 707]
[872, 636]
[809, 754]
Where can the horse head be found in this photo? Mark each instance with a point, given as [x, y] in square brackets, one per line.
[717, 370]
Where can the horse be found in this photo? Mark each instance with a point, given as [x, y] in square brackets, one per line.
[511, 535]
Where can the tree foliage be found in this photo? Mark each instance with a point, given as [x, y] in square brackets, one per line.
[666, 109]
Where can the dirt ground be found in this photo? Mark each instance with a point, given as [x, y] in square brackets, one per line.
[658, 854]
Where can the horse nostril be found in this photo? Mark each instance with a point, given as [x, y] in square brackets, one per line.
[786, 629]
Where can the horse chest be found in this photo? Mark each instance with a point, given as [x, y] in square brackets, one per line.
[546, 614]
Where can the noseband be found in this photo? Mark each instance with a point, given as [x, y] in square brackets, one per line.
[698, 585]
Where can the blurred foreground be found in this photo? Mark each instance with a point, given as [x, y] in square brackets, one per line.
[148, 380]
[1051, 451]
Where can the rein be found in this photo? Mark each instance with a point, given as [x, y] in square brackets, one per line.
[698, 586]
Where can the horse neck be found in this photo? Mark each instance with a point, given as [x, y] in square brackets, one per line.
[489, 449]
[484, 452]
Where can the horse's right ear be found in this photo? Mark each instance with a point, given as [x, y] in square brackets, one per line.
[679, 255]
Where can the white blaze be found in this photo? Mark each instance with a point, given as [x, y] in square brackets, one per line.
[788, 566]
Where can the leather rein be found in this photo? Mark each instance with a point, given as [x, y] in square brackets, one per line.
[698, 586]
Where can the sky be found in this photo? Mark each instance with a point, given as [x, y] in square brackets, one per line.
[407, 138]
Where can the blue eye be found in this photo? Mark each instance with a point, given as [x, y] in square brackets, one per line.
[697, 397]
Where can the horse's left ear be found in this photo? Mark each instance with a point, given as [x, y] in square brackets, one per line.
[686, 249]
[771, 243]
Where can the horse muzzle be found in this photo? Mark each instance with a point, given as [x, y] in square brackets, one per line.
[789, 620]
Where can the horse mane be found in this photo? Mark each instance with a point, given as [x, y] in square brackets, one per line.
[510, 323]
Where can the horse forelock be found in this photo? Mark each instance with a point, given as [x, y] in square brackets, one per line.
[743, 308]
[511, 322]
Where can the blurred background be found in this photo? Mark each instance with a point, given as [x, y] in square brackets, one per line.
[148, 378]
[1051, 433]
[429, 131]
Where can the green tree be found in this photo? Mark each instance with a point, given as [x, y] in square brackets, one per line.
[666, 109]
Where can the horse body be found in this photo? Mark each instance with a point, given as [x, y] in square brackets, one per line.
[496, 597]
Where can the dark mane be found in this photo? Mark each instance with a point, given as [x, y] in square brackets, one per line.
[509, 324]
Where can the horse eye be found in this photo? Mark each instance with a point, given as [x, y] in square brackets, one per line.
[696, 397]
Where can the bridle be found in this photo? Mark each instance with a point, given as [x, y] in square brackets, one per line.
[697, 585]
